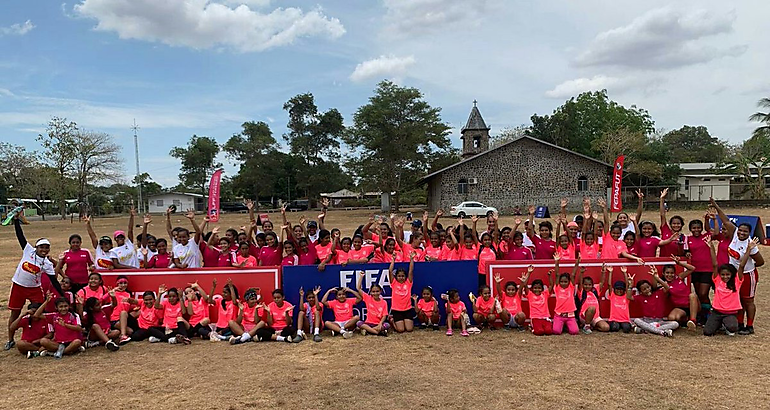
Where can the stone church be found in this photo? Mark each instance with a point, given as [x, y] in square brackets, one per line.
[525, 171]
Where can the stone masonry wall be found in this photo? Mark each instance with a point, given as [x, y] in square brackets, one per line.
[521, 173]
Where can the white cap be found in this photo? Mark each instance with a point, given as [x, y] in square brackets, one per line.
[42, 241]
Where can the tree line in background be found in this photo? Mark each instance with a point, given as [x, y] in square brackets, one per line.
[395, 139]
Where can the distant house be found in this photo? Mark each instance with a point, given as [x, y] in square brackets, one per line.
[182, 200]
[525, 171]
[701, 180]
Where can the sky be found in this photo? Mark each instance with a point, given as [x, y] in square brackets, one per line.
[184, 67]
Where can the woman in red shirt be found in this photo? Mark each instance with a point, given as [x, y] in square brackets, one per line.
[78, 263]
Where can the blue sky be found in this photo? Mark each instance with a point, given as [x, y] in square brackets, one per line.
[183, 67]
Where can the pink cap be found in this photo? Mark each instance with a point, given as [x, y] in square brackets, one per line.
[572, 224]
[118, 233]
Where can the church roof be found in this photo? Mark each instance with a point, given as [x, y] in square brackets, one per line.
[475, 122]
[523, 137]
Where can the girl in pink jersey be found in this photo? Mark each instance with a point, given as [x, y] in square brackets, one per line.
[564, 290]
[227, 310]
[589, 247]
[33, 329]
[376, 322]
[386, 252]
[310, 317]
[613, 247]
[620, 297]
[539, 313]
[427, 309]
[67, 329]
[244, 259]
[684, 303]
[251, 317]
[727, 301]
[401, 283]
[485, 308]
[196, 308]
[588, 303]
[97, 325]
[653, 301]
[511, 313]
[174, 324]
[456, 313]
[279, 320]
[487, 253]
[344, 318]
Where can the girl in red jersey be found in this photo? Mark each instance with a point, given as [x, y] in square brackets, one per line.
[33, 329]
[196, 307]
[342, 306]
[427, 309]
[376, 322]
[310, 314]
[161, 260]
[75, 263]
[487, 253]
[545, 246]
[387, 252]
[516, 249]
[672, 228]
[401, 290]
[653, 302]
[67, 329]
[290, 257]
[621, 295]
[485, 309]
[271, 253]
[97, 325]
[727, 285]
[457, 314]
[613, 247]
[587, 299]
[685, 304]
[511, 313]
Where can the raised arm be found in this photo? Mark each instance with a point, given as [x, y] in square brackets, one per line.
[391, 276]
[658, 280]
[169, 229]
[745, 258]
[729, 226]
[91, 233]
[525, 280]
[322, 216]
[575, 270]
[145, 222]
[19, 232]
[360, 279]
[602, 278]
[130, 230]
[474, 232]
[198, 233]
[410, 275]
[530, 228]
[603, 205]
[434, 224]
[688, 269]
[662, 206]
[640, 206]
[629, 282]
[326, 296]
[366, 230]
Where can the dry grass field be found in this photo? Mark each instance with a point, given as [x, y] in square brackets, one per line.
[420, 370]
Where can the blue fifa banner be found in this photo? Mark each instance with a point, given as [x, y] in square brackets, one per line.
[755, 222]
[441, 276]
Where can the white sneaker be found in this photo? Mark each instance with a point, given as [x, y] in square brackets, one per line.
[153, 339]
[172, 340]
[668, 333]
[347, 334]
[213, 337]
[91, 344]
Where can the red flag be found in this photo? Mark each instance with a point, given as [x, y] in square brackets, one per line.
[617, 185]
[213, 211]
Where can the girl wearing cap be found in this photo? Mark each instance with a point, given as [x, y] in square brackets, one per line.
[75, 263]
[621, 295]
[124, 255]
[102, 247]
[27, 279]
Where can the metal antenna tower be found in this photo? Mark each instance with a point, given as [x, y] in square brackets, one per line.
[136, 153]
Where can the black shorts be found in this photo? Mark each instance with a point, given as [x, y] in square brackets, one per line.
[401, 315]
[702, 277]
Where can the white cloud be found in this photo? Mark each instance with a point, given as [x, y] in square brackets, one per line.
[661, 39]
[4, 92]
[574, 87]
[17, 29]
[381, 67]
[407, 17]
[203, 24]
[250, 3]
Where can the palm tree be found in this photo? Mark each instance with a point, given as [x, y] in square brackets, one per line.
[762, 117]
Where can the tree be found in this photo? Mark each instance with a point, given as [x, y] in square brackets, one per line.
[198, 162]
[580, 121]
[395, 136]
[762, 117]
[60, 150]
[97, 159]
[694, 144]
[757, 146]
[261, 164]
[508, 135]
[148, 186]
[313, 136]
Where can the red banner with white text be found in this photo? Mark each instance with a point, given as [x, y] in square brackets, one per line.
[213, 210]
[616, 201]
[512, 271]
[265, 278]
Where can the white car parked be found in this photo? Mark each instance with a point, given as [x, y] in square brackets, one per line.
[469, 208]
